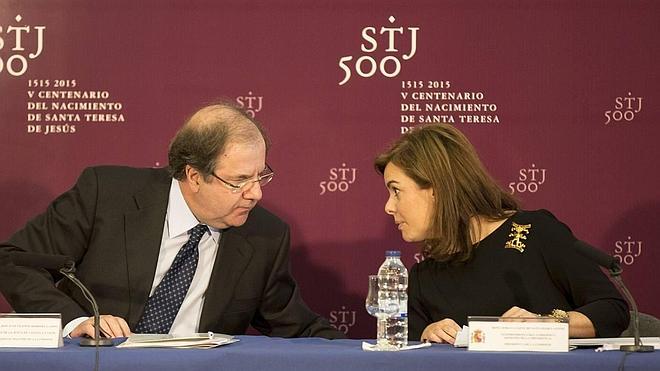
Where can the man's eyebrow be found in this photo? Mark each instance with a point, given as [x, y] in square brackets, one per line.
[243, 176]
[240, 177]
[391, 182]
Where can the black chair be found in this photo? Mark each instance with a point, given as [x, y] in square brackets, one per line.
[648, 326]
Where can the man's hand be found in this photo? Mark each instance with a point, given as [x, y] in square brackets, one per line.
[111, 327]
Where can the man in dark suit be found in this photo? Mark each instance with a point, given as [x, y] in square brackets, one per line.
[181, 251]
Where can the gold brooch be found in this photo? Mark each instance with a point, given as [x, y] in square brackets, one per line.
[518, 232]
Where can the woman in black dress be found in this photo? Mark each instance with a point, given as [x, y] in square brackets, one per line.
[483, 255]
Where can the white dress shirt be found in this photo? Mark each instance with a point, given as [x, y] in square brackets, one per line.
[178, 221]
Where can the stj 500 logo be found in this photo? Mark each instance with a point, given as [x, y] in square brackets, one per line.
[625, 109]
[12, 46]
[529, 180]
[339, 179]
[250, 103]
[342, 319]
[390, 65]
[626, 251]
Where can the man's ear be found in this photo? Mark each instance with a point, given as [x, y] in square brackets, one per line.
[193, 178]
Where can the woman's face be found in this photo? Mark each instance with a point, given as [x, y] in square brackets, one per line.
[410, 205]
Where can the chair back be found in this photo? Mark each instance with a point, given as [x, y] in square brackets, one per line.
[648, 326]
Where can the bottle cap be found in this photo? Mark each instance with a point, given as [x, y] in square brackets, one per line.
[393, 253]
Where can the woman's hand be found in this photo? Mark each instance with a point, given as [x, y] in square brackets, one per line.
[579, 325]
[519, 312]
[441, 332]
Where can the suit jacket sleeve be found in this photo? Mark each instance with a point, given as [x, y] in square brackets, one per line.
[63, 229]
[282, 311]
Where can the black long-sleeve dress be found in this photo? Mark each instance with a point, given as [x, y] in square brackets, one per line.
[548, 274]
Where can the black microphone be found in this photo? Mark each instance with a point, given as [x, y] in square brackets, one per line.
[610, 262]
[45, 261]
[596, 255]
[67, 267]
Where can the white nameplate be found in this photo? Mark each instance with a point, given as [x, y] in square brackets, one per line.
[537, 334]
[30, 330]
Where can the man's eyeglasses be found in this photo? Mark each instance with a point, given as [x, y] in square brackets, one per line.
[263, 178]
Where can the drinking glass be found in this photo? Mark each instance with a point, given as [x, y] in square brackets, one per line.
[381, 312]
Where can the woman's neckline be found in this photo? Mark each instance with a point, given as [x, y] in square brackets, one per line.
[491, 226]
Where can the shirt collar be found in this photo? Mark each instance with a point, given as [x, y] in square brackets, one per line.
[180, 218]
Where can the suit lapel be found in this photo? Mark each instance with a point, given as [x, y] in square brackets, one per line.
[144, 229]
[234, 253]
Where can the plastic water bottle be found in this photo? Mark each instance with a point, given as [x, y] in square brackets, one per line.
[393, 302]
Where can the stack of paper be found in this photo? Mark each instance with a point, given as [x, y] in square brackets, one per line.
[374, 347]
[194, 341]
[462, 337]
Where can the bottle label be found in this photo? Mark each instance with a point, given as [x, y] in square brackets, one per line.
[403, 308]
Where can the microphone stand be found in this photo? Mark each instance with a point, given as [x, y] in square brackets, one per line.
[615, 273]
[68, 272]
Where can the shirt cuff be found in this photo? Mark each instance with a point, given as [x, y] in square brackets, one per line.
[66, 331]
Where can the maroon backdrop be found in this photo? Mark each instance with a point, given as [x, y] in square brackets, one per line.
[559, 98]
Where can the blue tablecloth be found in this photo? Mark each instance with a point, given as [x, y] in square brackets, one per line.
[274, 354]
